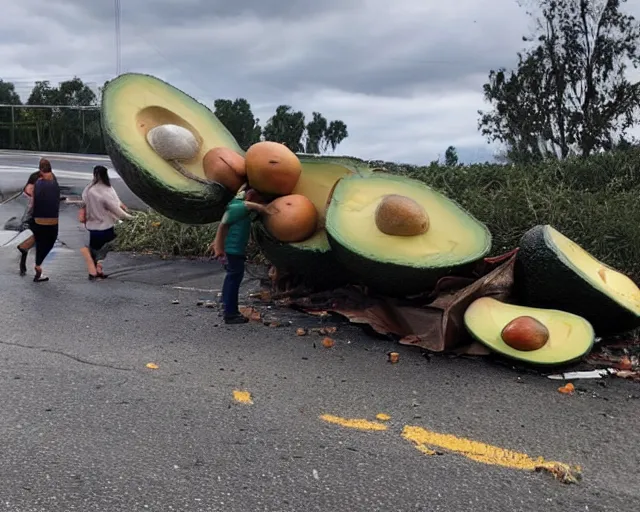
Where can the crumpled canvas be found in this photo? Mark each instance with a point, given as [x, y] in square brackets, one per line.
[434, 322]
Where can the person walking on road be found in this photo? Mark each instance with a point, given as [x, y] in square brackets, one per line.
[25, 246]
[100, 211]
[230, 244]
[44, 215]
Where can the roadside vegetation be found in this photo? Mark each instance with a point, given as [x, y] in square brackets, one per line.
[151, 233]
[563, 114]
[595, 201]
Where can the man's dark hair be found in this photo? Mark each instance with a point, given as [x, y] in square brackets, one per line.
[101, 174]
[44, 165]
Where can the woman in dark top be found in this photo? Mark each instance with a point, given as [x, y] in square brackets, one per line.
[45, 215]
[26, 218]
[26, 221]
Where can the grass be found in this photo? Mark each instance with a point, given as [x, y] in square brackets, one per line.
[594, 201]
[152, 233]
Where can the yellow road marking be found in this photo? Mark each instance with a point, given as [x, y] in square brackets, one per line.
[487, 454]
[244, 397]
[383, 417]
[353, 423]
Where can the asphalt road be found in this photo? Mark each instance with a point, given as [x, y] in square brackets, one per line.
[73, 172]
[87, 426]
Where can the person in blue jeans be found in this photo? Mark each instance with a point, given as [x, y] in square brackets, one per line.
[231, 242]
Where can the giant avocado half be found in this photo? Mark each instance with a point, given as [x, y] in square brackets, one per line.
[133, 104]
[552, 271]
[401, 265]
[312, 259]
[570, 336]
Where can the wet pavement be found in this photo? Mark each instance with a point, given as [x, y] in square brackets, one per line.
[73, 172]
[231, 418]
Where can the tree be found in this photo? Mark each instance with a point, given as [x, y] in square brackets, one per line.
[8, 96]
[286, 127]
[570, 93]
[335, 134]
[316, 132]
[320, 134]
[451, 157]
[239, 120]
[315, 137]
[65, 130]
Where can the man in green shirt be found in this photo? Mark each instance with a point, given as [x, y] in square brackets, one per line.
[231, 242]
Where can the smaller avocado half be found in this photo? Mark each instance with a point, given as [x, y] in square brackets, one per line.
[312, 259]
[133, 104]
[553, 271]
[401, 265]
[570, 336]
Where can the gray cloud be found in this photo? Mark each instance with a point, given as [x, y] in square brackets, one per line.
[405, 77]
[183, 13]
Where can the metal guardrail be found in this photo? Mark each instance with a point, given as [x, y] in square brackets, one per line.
[51, 128]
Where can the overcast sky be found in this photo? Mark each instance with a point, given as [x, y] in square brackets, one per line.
[406, 77]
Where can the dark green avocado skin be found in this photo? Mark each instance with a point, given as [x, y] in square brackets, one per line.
[543, 280]
[317, 269]
[187, 207]
[392, 279]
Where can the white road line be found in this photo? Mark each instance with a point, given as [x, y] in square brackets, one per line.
[62, 173]
[59, 156]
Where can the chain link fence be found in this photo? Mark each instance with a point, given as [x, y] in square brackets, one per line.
[51, 128]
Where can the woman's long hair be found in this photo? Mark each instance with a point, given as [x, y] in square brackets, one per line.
[101, 175]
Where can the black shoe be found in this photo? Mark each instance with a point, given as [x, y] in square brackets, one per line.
[39, 278]
[23, 261]
[235, 319]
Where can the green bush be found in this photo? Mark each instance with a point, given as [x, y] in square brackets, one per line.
[152, 233]
[594, 201]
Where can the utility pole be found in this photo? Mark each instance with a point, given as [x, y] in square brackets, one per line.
[118, 45]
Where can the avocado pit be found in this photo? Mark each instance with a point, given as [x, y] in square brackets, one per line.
[525, 333]
[272, 168]
[225, 166]
[292, 218]
[399, 215]
[173, 142]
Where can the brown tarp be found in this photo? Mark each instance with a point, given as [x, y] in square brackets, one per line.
[434, 322]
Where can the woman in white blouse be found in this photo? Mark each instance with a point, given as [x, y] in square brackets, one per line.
[100, 211]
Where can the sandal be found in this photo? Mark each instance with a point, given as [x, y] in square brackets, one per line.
[38, 277]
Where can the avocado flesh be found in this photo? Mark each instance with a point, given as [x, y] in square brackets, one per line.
[554, 271]
[310, 259]
[398, 265]
[570, 336]
[133, 104]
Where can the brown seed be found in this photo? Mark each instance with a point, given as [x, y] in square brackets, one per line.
[525, 333]
[301, 332]
[401, 216]
[225, 166]
[394, 357]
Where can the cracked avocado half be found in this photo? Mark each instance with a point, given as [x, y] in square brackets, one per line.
[134, 104]
[534, 335]
[399, 236]
[311, 259]
[553, 271]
